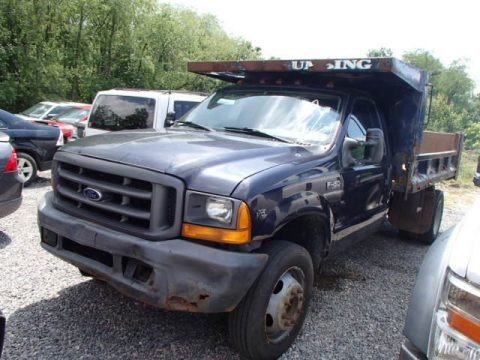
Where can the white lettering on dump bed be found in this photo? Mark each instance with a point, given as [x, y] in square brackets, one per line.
[301, 64]
[362, 64]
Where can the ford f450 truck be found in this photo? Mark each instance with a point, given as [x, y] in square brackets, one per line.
[234, 207]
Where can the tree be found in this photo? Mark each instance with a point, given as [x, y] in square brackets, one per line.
[70, 49]
[424, 60]
[381, 52]
[454, 109]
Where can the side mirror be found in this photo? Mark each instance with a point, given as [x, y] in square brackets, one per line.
[170, 119]
[375, 142]
[349, 144]
[48, 117]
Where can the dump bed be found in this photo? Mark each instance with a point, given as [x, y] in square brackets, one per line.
[400, 90]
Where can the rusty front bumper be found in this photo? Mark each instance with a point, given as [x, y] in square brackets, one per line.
[172, 274]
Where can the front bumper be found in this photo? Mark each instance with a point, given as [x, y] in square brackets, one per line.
[172, 274]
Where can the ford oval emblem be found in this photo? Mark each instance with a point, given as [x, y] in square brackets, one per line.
[92, 194]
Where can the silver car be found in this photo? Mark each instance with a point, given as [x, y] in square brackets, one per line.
[443, 318]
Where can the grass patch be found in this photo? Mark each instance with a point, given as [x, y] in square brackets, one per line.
[468, 167]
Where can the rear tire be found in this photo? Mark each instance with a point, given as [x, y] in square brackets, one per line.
[431, 235]
[27, 168]
[270, 316]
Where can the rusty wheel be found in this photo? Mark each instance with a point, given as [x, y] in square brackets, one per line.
[268, 319]
[285, 306]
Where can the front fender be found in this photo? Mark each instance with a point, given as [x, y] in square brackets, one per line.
[425, 294]
[270, 216]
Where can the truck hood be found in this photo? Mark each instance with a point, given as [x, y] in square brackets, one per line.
[465, 253]
[214, 162]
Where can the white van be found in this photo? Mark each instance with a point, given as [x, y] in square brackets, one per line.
[127, 109]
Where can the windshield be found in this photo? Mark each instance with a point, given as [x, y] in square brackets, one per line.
[57, 110]
[72, 116]
[116, 112]
[296, 116]
[37, 110]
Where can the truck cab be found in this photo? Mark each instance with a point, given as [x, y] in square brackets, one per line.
[128, 109]
[253, 189]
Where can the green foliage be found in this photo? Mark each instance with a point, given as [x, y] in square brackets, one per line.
[444, 117]
[472, 133]
[70, 49]
[423, 60]
[454, 108]
[381, 52]
[468, 166]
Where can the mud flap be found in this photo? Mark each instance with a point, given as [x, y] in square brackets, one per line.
[413, 214]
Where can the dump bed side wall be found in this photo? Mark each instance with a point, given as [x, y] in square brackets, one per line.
[438, 159]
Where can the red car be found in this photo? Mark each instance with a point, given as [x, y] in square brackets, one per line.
[66, 120]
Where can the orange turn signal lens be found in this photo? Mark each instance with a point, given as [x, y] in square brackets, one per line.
[464, 323]
[240, 235]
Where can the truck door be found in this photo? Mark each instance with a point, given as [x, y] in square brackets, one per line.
[365, 180]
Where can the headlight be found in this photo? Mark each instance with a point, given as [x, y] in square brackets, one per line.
[219, 209]
[457, 322]
[216, 218]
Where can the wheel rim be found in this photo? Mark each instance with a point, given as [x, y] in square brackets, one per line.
[285, 306]
[25, 169]
[438, 218]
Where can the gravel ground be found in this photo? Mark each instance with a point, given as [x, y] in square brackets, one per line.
[357, 311]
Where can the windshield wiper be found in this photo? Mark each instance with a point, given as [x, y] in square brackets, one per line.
[255, 132]
[192, 125]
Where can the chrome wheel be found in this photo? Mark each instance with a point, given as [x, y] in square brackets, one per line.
[25, 169]
[286, 305]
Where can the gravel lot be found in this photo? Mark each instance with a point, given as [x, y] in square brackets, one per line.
[358, 307]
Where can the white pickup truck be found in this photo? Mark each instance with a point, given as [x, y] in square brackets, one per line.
[128, 109]
[443, 318]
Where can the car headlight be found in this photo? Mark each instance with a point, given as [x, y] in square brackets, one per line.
[216, 218]
[219, 209]
[457, 321]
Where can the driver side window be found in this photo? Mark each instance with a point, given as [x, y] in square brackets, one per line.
[364, 116]
[3, 125]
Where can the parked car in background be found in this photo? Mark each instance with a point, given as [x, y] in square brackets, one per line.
[48, 110]
[71, 118]
[443, 318]
[34, 143]
[129, 109]
[476, 178]
[11, 184]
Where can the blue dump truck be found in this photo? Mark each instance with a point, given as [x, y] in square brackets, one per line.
[235, 206]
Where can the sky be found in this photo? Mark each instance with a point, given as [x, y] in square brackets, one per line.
[309, 29]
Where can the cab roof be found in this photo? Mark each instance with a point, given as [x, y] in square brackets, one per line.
[148, 92]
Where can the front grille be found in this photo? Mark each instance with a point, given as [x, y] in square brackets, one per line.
[133, 200]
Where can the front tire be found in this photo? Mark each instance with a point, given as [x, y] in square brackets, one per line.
[270, 316]
[27, 168]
